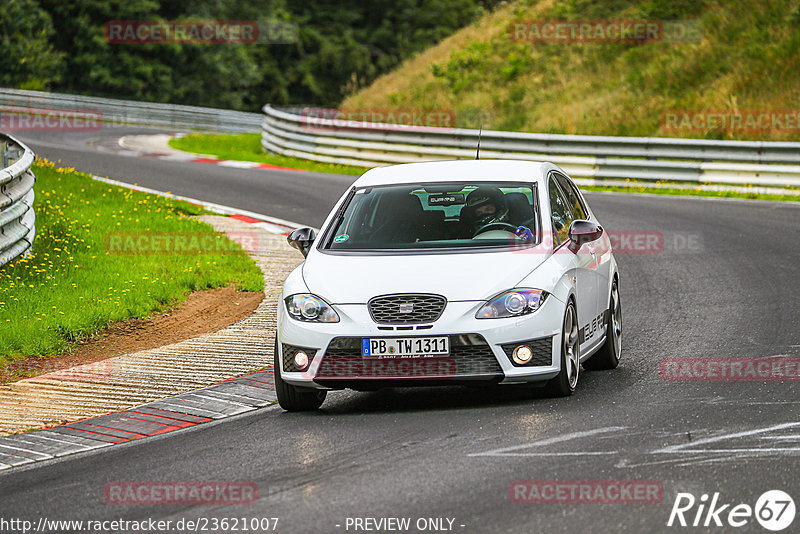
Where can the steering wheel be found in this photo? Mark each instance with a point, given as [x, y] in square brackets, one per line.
[495, 226]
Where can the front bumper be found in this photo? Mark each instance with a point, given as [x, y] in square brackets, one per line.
[477, 351]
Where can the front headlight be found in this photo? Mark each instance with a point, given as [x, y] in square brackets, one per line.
[512, 303]
[310, 308]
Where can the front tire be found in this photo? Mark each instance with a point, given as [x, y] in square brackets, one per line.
[293, 398]
[607, 357]
[567, 380]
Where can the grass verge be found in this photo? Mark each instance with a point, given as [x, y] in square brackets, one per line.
[247, 147]
[639, 187]
[74, 283]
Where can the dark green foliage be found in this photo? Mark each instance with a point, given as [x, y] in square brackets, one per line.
[27, 58]
[341, 45]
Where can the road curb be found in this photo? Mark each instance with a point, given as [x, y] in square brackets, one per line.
[155, 146]
[225, 399]
[155, 391]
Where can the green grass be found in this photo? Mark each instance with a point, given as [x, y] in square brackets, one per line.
[70, 286]
[247, 147]
[643, 188]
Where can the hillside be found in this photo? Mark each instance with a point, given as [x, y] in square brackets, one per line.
[742, 59]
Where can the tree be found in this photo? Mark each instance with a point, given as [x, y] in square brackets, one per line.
[28, 59]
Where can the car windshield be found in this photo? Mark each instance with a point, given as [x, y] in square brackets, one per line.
[436, 216]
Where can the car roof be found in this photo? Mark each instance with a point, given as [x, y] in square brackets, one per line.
[485, 170]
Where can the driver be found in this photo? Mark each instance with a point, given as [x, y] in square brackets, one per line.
[487, 205]
[484, 205]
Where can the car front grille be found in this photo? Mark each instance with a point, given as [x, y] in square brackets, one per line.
[470, 356]
[542, 351]
[409, 308]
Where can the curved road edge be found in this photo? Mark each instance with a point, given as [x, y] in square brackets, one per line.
[155, 391]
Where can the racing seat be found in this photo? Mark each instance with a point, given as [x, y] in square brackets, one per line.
[520, 211]
[433, 226]
[401, 222]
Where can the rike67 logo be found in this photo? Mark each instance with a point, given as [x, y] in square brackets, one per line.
[774, 510]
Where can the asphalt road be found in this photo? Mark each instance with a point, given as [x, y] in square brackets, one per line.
[724, 285]
[295, 196]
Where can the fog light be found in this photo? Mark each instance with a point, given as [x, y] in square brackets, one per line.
[301, 360]
[522, 354]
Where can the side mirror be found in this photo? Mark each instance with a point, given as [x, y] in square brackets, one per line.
[302, 239]
[582, 232]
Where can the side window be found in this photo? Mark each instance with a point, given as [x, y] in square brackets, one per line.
[573, 197]
[560, 213]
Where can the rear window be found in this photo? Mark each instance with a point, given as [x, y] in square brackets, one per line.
[436, 216]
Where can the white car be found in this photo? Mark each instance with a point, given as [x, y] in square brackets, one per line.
[455, 272]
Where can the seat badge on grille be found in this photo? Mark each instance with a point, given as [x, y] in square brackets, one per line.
[406, 307]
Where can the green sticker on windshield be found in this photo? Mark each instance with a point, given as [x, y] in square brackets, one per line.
[341, 238]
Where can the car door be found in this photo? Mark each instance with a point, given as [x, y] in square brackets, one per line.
[600, 249]
[586, 274]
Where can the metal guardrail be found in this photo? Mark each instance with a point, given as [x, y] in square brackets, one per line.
[17, 218]
[108, 110]
[595, 157]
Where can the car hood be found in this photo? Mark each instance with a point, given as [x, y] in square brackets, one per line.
[354, 279]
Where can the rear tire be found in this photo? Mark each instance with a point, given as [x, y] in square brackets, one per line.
[607, 357]
[567, 379]
[293, 398]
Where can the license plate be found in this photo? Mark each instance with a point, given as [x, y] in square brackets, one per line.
[405, 347]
